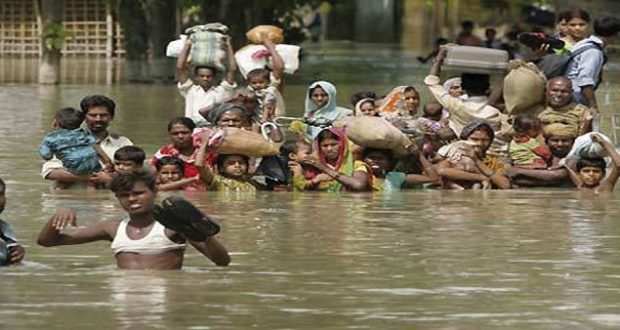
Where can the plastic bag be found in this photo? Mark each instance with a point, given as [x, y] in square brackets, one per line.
[256, 57]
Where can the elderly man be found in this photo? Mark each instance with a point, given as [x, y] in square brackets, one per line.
[562, 109]
[559, 138]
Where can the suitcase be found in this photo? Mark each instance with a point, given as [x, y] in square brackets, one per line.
[476, 59]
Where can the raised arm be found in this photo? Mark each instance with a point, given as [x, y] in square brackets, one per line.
[55, 231]
[574, 176]
[276, 60]
[438, 61]
[182, 62]
[206, 174]
[231, 71]
[610, 181]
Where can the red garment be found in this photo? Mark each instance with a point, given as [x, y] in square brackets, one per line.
[190, 169]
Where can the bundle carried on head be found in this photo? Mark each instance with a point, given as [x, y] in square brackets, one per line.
[257, 56]
[273, 33]
[208, 45]
[376, 132]
[238, 141]
[524, 88]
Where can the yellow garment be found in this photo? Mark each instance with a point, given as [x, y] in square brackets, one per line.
[574, 115]
[299, 182]
[560, 130]
[495, 164]
[334, 185]
[221, 183]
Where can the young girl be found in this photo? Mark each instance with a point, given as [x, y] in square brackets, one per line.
[232, 173]
[183, 148]
[366, 107]
[170, 174]
[524, 149]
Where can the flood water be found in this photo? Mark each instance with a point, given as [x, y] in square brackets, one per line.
[422, 259]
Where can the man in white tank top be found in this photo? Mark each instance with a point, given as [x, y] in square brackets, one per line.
[139, 241]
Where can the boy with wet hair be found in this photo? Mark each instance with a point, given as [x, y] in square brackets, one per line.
[71, 144]
[591, 172]
[138, 241]
[11, 252]
[128, 158]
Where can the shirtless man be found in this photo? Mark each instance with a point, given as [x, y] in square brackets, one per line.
[139, 242]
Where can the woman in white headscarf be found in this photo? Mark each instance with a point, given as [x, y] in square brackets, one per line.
[321, 103]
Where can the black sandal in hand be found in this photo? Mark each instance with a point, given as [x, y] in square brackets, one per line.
[183, 217]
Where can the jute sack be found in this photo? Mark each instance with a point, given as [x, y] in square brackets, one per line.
[274, 33]
[524, 87]
[237, 141]
[376, 132]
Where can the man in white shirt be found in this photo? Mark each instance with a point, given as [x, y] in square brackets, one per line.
[200, 92]
[99, 112]
[476, 106]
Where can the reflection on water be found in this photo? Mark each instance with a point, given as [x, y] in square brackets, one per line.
[418, 259]
[139, 300]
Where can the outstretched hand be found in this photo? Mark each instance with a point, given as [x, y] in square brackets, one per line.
[63, 217]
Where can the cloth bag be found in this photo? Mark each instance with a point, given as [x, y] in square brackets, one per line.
[208, 45]
[274, 33]
[584, 147]
[524, 87]
[376, 132]
[238, 141]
